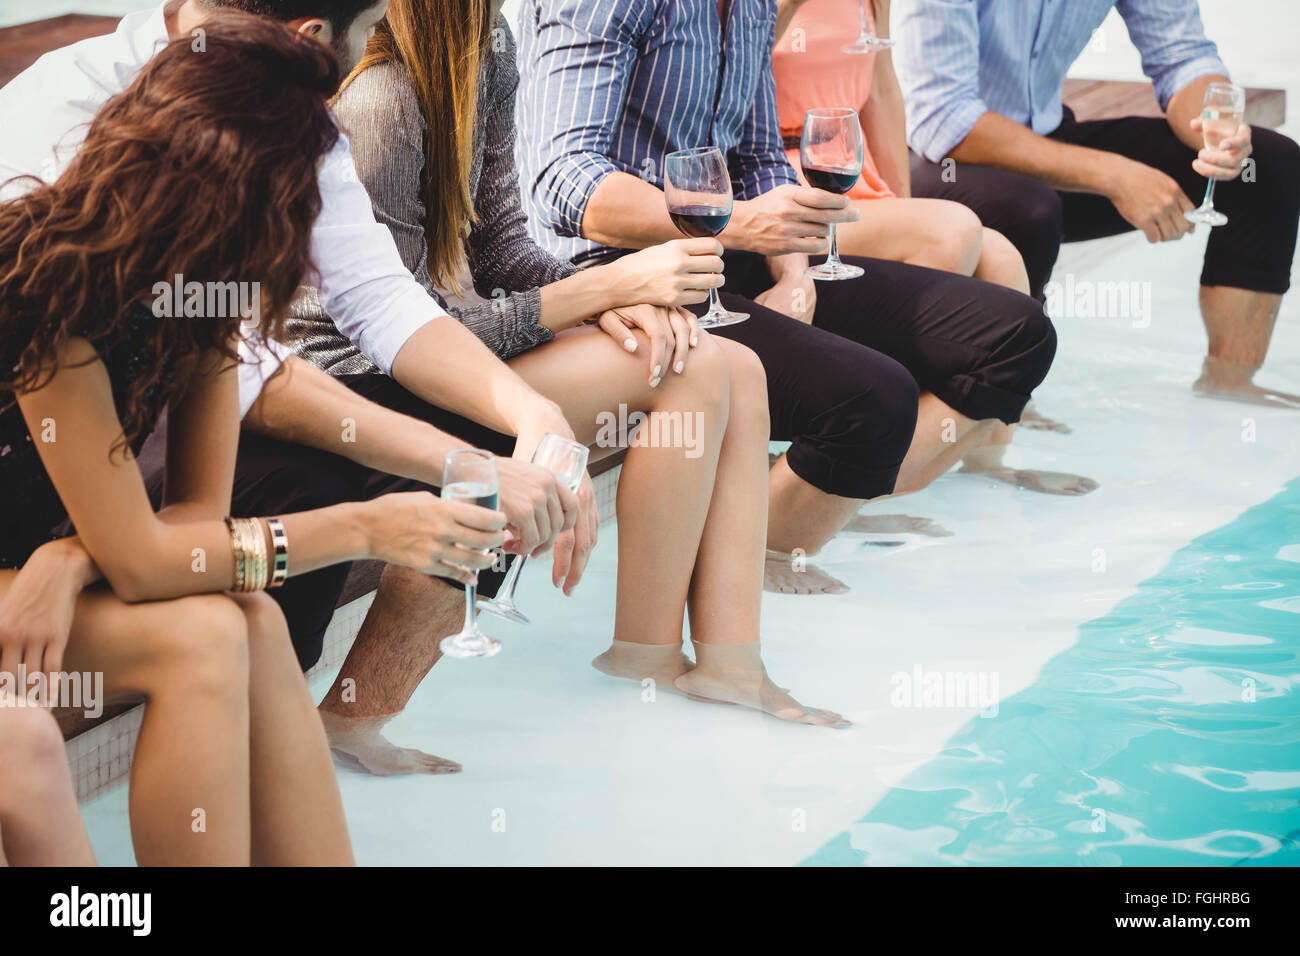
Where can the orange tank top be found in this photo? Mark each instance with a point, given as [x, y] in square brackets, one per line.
[812, 72]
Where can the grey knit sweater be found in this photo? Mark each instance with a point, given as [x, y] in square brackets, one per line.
[381, 116]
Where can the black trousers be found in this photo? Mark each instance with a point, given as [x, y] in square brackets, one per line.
[274, 478]
[1253, 251]
[844, 389]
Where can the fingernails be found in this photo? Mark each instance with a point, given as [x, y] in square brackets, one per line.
[679, 367]
[657, 371]
[695, 339]
[654, 382]
[630, 345]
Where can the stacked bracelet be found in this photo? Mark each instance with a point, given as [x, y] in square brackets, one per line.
[248, 544]
[280, 542]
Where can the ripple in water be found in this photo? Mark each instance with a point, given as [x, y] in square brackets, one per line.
[1168, 735]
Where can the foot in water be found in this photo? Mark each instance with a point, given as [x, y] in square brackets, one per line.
[987, 462]
[661, 663]
[1246, 394]
[788, 574]
[734, 674]
[896, 524]
[358, 743]
[1030, 418]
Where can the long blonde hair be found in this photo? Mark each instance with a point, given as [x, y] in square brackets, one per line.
[442, 44]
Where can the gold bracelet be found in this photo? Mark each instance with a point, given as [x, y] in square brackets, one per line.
[237, 553]
[281, 542]
[257, 540]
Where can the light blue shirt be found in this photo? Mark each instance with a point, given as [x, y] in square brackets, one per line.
[958, 59]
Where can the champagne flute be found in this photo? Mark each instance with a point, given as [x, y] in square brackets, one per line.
[831, 153]
[567, 460]
[470, 475]
[1225, 105]
[867, 41]
[697, 186]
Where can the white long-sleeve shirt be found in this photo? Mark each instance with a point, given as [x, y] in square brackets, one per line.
[374, 300]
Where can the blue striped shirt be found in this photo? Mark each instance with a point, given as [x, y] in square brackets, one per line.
[958, 59]
[616, 85]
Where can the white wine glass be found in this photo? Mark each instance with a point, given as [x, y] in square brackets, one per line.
[470, 475]
[567, 460]
[1225, 106]
[831, 153]
[867, 41]
[697, 187]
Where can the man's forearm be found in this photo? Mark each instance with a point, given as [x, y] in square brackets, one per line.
[1005, 144]
[1186, 105]
[305, 406]
[627, 213]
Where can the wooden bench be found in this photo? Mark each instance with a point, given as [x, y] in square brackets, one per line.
[1111, 99]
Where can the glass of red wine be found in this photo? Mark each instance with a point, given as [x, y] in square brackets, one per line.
[697, 186]
[830, 152]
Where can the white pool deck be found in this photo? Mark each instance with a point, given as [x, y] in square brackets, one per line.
[566, 766]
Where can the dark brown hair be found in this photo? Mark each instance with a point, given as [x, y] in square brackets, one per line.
[206, 166]
[442, 44]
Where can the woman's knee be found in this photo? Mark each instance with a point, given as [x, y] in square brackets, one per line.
[748, 378]
[705, 382]
[1001, 263]
[31, 750]
[201, 648]
[952, 237]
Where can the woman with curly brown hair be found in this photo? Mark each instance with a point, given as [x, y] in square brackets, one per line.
[201, 176]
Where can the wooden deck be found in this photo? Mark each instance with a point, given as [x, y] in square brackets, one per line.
[1111, 99]
[22, 45]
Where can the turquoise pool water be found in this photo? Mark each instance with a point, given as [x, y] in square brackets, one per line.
[1168, 735]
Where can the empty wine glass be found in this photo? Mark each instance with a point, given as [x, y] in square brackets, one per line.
[470, 475]
[867, 41]
[831, 155]
[697, 187]
[1225, 105]
[567, 460]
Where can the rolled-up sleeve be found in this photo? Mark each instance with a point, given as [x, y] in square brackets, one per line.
[259, 359]
[939, 51]
[586, 52]
[372, 297]
[760, 162]
[1171, 38]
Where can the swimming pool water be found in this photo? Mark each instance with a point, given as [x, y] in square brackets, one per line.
[1168, 735]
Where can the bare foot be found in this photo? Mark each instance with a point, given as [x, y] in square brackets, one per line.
[734, 674]
[896, 524]
[1246, 393]
[662, 663]
[1047, 482]
[359, 744]
[1030, 418]
[788, 574]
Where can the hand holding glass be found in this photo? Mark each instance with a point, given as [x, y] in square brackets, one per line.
[567, 460]
[831, 155]
[697, 187]
[1225, 105]
[470, 475]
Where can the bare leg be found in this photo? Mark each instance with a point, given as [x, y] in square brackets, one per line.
[297, 813]
[943, 436]
[726, 589]
[934, 233]
[395, 649]
[40, 824]
[1239, 324]
[189, 799]
[802, 519]
[665, 496]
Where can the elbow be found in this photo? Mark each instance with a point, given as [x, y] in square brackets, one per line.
[130, 581]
